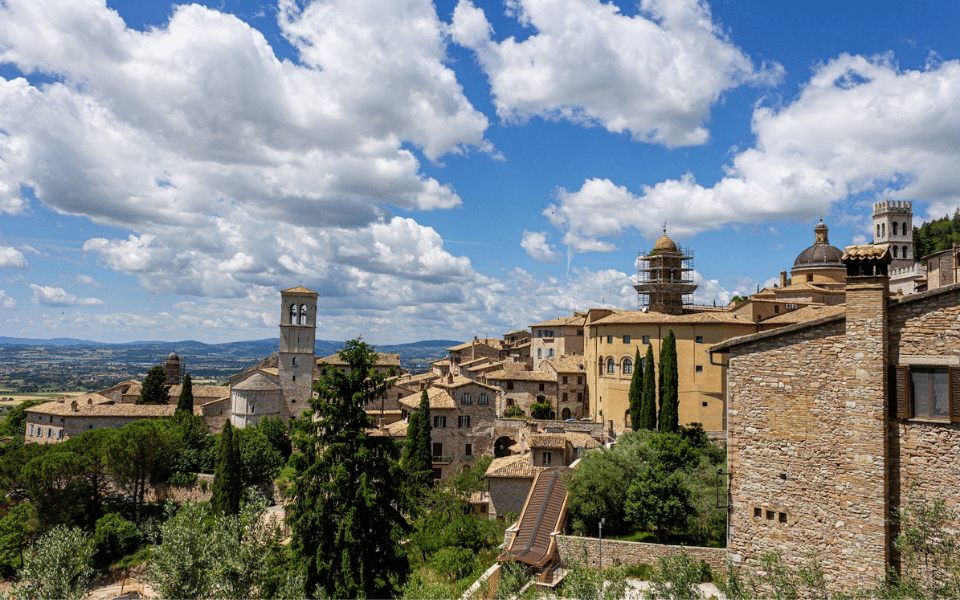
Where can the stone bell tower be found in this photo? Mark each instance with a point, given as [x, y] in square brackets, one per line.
[298, 333]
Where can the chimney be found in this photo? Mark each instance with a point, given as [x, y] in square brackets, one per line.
[73, 406]
[863, 407]
[783, 279]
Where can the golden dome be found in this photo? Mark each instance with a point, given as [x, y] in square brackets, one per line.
[665, 244]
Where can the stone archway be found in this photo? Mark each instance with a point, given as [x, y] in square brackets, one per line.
[502, 446]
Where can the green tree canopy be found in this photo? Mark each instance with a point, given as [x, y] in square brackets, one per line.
[228, 478]
[276, 431]
[669, 385]
[659, 499]
[92, 445]
[260, 462]
[185, 402]
[140, 454]
[540, 410]
[417, 462]
[154, 389]
[648, 397]
[60, 565]
[57, 487]
[347, 514]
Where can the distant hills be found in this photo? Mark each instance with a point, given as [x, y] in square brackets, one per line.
[426, 350]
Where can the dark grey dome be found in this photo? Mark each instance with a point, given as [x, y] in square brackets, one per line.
[819, 256]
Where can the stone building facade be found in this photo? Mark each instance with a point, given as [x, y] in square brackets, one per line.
[65, 418]
[558, 337]
[830, 420]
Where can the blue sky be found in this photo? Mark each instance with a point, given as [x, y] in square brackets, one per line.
[449, 169]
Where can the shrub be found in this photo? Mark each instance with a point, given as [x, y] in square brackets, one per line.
[114, 538]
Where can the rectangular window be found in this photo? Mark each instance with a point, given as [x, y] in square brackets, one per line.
[580, 332]
[509, 385]
[564, 380]
[547, 458]
[541, 387]
[579, 380]
[776, 309]
[579, 396]
[439, 421]
[31, 430]
[699, 339]
[463, 421]
[468, 450]
[646, 339]
[929, 390]
[609, 339]
[550, 353]
[437, 449]
[626, 339]
[564, 396]
[699, 368]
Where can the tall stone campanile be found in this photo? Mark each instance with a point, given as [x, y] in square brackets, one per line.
[298, 334]
[893, 221]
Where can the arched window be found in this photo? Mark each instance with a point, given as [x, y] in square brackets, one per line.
[466, 399]
[483, 399]
[296, 361]
[293, 314]
[539, 352]
[878, 230]
[905, 252]
[601, 367]
[883, 230]
[896, 227]
[303, 314]
[627, 366]
[611, 366]
[895, 251]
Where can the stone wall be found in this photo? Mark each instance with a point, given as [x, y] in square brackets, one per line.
[508, 495]
[616, 552]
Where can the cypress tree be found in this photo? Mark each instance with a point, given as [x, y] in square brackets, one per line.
[154, 389]
[669, 380]
[185, 402]
[635, 393]
[648, 397]
[226, 480]
[417, 461]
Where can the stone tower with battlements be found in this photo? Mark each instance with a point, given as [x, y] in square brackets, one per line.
[893, 225]
[298, 333]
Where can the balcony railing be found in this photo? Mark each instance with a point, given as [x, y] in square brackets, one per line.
[442, 460]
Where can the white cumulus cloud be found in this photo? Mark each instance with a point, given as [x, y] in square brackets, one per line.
[654, 75]
[859, 127]
[537, 247]
[46, 295]
[11, 257]
[6, 301]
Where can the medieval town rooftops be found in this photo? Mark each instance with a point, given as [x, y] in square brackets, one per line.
[103, 410]
[807, 313]
[383, 360]
[518, 466]
[452, 383]
[580, 439]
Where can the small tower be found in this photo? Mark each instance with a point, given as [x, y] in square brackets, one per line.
[893, 225]
[298, 333]
[171, 369]
[665, 277]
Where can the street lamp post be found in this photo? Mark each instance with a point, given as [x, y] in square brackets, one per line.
[602, 521]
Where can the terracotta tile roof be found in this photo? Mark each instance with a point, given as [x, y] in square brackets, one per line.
[548, 440]
[202, 391]
[397, 429]
[807, 313]
[518, 375]
[640, 317]
[871, 251]
[518, 466]
[439, 398]
[104, 410]
[299, 290]
[574, 321]
[383, 359]
[566, 364]
[459, 381]
[579, 439]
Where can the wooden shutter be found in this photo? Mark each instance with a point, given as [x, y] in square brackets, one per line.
[903, 392]
[954, 395]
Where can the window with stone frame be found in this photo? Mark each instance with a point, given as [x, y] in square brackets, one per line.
[466, 399]
[546, 459]
[439, 421]
[463, 421]
[627, 366]
[483, 399]
[926, 392]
